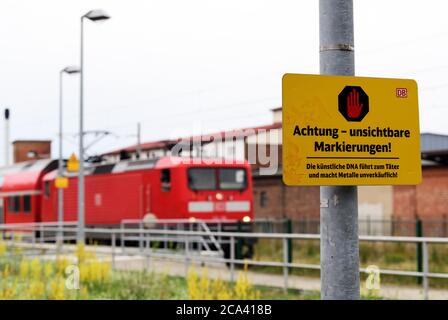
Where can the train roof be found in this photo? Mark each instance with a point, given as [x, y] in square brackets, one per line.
[27, 166]
[144, 164]
[24, 175]
[187, 161]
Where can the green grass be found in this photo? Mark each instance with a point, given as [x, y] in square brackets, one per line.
[140, 286]
[135, 285]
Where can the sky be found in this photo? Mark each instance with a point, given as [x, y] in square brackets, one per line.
[189, 67]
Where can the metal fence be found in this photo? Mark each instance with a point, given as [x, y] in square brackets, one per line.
[38, 235]
[368, 227]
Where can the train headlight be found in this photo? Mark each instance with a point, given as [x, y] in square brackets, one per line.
[246, 219]
[219, 196]
[192, 219]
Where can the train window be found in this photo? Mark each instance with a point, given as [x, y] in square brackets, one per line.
[11, 204]
[47, 189]
[165, 179]
[17, 205]
[26, 204]
[232, 179]
[202, 179]
[14, 204]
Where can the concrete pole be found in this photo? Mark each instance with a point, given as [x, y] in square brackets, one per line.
[80, 236]
[339, 247]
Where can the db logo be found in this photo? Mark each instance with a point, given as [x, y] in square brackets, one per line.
[401, 92]
[220, 206]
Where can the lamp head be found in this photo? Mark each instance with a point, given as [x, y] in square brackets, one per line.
[97, 15]
[71, 69]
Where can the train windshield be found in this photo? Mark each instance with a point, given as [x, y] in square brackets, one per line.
[214, 179]
[202, 179]
[232, 179]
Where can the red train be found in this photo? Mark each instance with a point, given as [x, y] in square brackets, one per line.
[164, 188]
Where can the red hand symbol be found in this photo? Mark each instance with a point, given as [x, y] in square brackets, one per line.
[353, 106]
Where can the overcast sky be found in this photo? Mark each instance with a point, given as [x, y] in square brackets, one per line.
[182, 67]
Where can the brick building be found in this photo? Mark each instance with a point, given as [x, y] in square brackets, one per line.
[429, 199]
[24, 150]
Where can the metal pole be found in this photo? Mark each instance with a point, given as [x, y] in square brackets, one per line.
[122, 237]
[425, 271]
[60, 163]
[7, 137]
[186, 255]
[113, 250]
[232, 259]
[419, 233]
[148, 250]
[368, 226]
[81, 142]
[139, 149]
[285, 264]
[140, 240]
[339, 220]
[41, 233]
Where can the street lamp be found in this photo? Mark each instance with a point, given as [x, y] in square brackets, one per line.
[95, 16]
[68, 70]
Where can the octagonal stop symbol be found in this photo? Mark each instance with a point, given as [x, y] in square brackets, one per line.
[353, 103]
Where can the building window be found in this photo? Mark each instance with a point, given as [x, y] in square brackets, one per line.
[165, 179]
[263, 199]
[27, 204]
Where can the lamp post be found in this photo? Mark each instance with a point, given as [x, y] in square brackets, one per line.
[7, 115]
[95, 16]
[68, 70]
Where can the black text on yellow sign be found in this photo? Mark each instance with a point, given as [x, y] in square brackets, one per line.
[350, 131]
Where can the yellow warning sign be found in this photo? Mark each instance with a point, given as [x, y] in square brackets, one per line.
[350, 131]
[73, 163]
[61, 182]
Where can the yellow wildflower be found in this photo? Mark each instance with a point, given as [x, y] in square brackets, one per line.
[57, 289]
[3, 248]
[48, 270]
[36, 290]
[61, 264]
[36, 269]
[24, 268]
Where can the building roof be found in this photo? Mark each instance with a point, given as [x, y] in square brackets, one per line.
[203, 139]
[431, 142]
[434, 147]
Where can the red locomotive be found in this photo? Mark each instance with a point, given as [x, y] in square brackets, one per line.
[164, 188]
